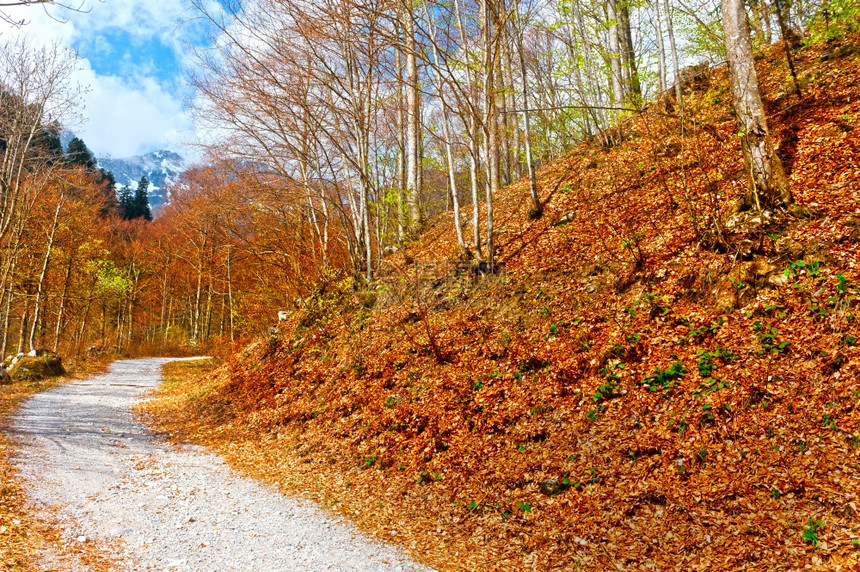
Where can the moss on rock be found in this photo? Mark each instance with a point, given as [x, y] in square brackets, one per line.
[39, 367]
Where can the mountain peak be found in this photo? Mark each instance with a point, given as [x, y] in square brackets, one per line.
[160, 167]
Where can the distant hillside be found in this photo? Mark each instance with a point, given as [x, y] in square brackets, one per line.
[160, 167]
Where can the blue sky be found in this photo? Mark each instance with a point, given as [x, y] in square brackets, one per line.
[133, 53]
[116, 52]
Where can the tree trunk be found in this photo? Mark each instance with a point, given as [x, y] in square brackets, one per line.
[506, 87]
[413, 151]
[207, 332]
[615, 53]
[22, 334]
[474, 153]
[767, 178]
[230, 291]
[661, 50]
[198, 296]
[61, 314]
[161, 317]
[491, 128]
[785, 32]
[401, 154]
[79, 343]
[633, 87]
[6, 312]
[37, 306]
[537, 208]
[670, 29]
[9, 291]
[169, 320]
[446, 131]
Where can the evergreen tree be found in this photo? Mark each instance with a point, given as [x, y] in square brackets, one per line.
[141, 200]
[135, 205]
[126, 203]
[107, 188]
[108, 178]
[78, 154]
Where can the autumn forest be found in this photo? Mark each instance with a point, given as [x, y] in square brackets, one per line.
[338, 131]
[535, 277]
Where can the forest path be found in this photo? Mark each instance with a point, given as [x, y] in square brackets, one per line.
[90, 467]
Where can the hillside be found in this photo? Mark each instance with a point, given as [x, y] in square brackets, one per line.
[652, 380]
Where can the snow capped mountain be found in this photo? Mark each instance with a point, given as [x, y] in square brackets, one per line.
[161, 168]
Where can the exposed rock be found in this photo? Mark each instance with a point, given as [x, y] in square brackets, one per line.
[552, 487]
[98, 351]
[803, 212]
[694, 78]
[565, 218]
[744, 220]
[5, 379]
[853, 227]
[777, 279]
[44, 353]
[838, 52]
[48, 364]
[725, 297]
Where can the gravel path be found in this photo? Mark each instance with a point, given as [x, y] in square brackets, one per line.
[85, 461]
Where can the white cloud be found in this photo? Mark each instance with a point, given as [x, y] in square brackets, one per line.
[142, 18]
[134, 113]
[130, 118]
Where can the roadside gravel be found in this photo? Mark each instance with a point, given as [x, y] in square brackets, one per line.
[89, 466]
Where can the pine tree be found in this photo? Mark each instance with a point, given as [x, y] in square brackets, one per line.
[78, 154]
[141, 200]
[107, 178]
[126, 203]
[135, 204]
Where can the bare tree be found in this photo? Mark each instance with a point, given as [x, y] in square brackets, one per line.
[768, 181]
[9, 19]
[493, 22]
[446, 131]
[413, 118]
[40, 289]
[537, 208]
[661, 50]
[35, 93]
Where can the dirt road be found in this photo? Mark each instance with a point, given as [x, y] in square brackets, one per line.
[90, 466]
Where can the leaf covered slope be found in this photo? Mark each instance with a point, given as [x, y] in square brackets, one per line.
[652, 380]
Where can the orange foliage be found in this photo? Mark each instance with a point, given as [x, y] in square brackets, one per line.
[638, 387]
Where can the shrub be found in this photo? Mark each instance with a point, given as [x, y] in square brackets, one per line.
[666, 379]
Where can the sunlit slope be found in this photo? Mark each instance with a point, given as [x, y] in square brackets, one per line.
[651, 379]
